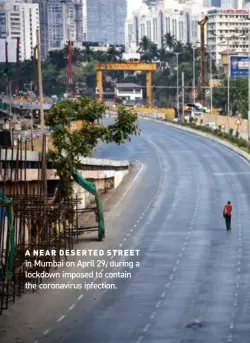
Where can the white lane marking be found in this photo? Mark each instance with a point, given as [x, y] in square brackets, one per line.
[101, 271]
[135, 225]
[129, 187]
[158, 303]
[47, 331]
[124, 239]
[128, 234]
[232, 325]
[171, 276]
[163, 294]
[167, 285]
[174, 269]
[120, 245]
[231, 173]
[139, 339]
[61, 318]
[131, 230]
[153, 315]
[80, 297]
[71, 307]
[146, 328]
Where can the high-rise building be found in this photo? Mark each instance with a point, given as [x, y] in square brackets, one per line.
[20, 20]
[43, 13]
[65, 22]
[106, 20]
[227, 29]
[150, 3]
[229, 4]
[212, 3]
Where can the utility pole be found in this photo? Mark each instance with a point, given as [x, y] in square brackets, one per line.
[40, 81]
[194, 74]
[183, 96]
[248, 114]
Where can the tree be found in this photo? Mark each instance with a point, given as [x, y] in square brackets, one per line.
[169, 41]
[144, 45]
[113, 54]
[70, 146]
[238, 96]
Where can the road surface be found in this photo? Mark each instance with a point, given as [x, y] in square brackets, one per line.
[193, 280]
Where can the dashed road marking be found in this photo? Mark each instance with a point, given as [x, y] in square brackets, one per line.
[71, 307]
[80, 297]
[171, 276]
[163, 294]
[139, 340]
[124, 239]
[120, 245]
[153, 315]
[47, 331]
[146, 328]
[158, 303]
[167, 285]
[61, 318]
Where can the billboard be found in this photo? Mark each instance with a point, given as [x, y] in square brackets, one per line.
[11, 50]
[239, 66]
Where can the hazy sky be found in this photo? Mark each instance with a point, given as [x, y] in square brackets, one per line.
[133, 5]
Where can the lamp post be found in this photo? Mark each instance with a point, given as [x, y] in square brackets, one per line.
[177, 82]
[194, 49]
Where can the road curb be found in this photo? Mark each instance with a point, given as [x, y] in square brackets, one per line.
[238, 151]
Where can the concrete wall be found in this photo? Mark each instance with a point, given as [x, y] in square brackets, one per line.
[229, 122]
[105, 174]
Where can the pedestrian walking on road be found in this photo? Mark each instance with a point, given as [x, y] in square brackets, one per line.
[227, 212]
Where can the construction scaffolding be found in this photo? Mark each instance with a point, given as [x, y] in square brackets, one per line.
[29, 219]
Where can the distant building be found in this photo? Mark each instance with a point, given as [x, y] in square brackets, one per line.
[225, 30]
[43, 13]
[129, 92]
[233, 4]
[179, 20]
[212, 3]
[106, 21]
[20, 20]
[65, 22]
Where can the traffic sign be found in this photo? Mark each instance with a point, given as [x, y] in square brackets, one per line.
[238, 121]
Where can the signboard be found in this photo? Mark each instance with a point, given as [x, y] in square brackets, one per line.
[238, 122]
[239, 66]
[11, 50]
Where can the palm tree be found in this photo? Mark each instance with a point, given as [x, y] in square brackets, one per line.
[179, 47]
[113, 54]
[154, 52]
[88, 53]
[169, 41]
[144, 45]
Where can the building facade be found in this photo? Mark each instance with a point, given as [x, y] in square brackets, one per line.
[65, 22]
[227, 29]
[20, 20]
[179, 20]
[43, 13]
[106, 21]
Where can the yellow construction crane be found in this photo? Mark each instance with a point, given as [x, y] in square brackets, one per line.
[203, 75]
[127, 66]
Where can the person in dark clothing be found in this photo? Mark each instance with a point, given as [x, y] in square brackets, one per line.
[227, 213]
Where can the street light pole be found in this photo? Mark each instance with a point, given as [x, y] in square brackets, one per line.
[211, 80]
[228, 82]
[194, 74]
[248, 114]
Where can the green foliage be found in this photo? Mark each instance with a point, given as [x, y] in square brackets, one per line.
[238, 96]
[71, 147]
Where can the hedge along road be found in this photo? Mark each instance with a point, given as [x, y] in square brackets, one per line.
[192, 282]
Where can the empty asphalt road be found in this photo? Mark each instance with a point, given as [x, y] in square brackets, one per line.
[193, 281]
